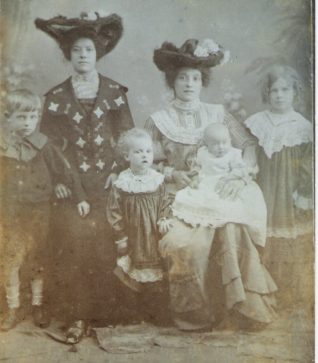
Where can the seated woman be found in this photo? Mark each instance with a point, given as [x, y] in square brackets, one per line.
[178, 131]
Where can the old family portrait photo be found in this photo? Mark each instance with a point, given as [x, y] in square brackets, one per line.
[156, 188]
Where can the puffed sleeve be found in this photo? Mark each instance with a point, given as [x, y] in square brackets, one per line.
[156, 136]
[244, 140]
[54, 126]
[240, 136]
[114, 214]
[122, 118]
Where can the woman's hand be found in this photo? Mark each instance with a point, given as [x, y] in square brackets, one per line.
[62, 191]
[229, 188]
[110, 180]
[182, 178]
[83, 208]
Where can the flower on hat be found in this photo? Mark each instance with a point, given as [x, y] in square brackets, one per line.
[226, 57]
[94, 15]
[207, 47]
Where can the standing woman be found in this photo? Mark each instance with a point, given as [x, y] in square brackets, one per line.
[84, 115]
[177, 131]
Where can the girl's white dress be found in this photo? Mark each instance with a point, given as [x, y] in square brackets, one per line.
[203, 206]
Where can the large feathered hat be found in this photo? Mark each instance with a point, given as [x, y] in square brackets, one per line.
[190, 54]
[105, 31]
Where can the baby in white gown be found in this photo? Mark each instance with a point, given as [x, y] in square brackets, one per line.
[217, 163]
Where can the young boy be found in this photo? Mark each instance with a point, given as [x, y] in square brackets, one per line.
[30, 168]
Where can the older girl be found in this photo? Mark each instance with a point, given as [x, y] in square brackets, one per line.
[284, 139]
[85, 115]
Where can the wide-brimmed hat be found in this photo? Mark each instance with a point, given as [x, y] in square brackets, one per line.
[104, 30]
[190, 54]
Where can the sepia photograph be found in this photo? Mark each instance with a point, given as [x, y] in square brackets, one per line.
[157, 181]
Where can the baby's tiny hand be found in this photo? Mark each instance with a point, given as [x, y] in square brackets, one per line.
[83, 208]
[62, 191]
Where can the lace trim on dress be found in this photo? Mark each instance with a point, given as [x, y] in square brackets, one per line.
[131, 183]
[167, 121]
[288, 232]
[207, 217]
[140, 275]
[274, 131]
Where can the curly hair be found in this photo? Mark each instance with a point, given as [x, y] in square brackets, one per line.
[280, 71]
[123, 144]
[172, 73]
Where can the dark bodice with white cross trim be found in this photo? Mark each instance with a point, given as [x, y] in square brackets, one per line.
[87, 138]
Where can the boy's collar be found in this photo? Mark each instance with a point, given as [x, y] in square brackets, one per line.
[37, 139]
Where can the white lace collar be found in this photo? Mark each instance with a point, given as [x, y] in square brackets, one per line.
[168, 122]
[274, 131]
[186, 106]
[131, 183]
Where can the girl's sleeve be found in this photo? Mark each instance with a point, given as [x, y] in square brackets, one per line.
[114, 214]
[303, 192]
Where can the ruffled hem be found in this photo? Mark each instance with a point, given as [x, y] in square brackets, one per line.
[130, 183]
[140, 275]
[258, 308]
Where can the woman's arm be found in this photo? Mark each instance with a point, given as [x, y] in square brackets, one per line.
[242, 139]
[156, 136]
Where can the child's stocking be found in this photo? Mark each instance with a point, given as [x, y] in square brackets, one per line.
[13, 289]
[40, 314]
[37, 291]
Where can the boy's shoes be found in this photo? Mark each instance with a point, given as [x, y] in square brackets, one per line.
[10, 320]
[76, 332]
[41, 316]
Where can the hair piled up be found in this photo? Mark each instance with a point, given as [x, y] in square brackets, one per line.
[123, 143]
[172, 73]
[73, 36]
[280, 71]
[21, 100]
